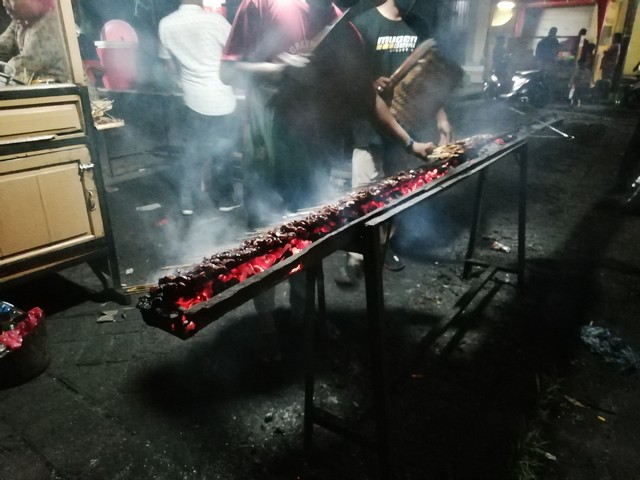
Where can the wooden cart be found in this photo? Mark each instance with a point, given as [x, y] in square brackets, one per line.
[53, 212]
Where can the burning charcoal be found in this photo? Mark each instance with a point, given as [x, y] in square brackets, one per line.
[376, 190]
[272, 242]
[231, 282]
[245, 253]
[200, 278]
[350, 210]
[259, 245]
[331, 211]
[236, 255]
[394, 194]
[286, 237]
[363, 196]
[228, 263]
[145, 301]
[219, 284]
[170, 292]
[167, 279]
[211, 259]
[302, 225]
[184, 284]
[212, 271]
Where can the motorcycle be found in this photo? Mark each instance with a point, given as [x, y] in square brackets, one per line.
[530, 87]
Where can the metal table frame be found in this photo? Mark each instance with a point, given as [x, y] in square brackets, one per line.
[364, 232]
[370, 234]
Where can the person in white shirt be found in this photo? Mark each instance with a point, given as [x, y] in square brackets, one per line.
[192, 40]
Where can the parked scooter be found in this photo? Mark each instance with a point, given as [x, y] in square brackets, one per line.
[530, 87]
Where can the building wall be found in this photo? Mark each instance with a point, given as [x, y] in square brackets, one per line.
[633, 53]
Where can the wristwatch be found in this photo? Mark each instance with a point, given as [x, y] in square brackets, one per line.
[409, 145]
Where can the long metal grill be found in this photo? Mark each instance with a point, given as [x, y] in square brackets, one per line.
[184, 303]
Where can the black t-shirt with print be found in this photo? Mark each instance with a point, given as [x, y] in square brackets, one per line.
[387, 44]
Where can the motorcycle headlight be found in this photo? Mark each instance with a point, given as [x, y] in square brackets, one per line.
[518, 81]
[494, 78]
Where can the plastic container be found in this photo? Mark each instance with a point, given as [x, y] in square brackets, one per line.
[118, 54]
[118, 31]
[120, 63]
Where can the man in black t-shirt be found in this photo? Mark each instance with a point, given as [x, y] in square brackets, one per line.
[388, 41]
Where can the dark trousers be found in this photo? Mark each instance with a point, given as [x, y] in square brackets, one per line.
[212, 139]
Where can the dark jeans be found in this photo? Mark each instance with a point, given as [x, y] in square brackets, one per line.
[209, 138]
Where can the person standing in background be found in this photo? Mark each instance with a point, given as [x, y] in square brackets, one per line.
[192, 41]
[573, 45]
[500, 60]
[587, 53]
[579, 83]
[32, 43]
[547, 49]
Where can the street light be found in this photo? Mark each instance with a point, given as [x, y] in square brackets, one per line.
[503, 13]
[505, 5]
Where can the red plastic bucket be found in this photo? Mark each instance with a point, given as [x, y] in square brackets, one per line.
[120, 63]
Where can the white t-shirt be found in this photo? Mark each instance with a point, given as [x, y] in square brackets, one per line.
[195, 38]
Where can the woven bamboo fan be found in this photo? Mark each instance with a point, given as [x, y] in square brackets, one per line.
[423, 85]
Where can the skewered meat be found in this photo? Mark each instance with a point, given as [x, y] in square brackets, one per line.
[447, 152]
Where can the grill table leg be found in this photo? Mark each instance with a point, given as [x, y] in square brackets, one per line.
[523, 160]
[521, 154]
[477, 207]
[375, 316]
[310, 358]
[375, 313]
[108, 267]
[322, 303]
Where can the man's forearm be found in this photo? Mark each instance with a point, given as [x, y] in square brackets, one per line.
[238, 74]
[390, 125]
[388, 122]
